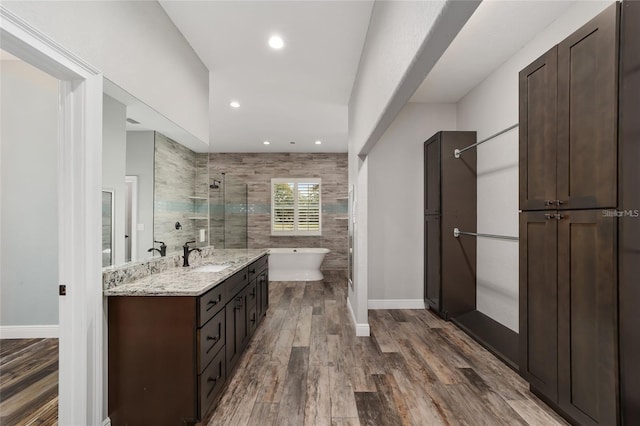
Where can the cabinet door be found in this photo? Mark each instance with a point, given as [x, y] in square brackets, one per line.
[432, 175]
[587, 295]
[236, 325]
[263, 285]
[538, 132]
[588, 114]
[629, 226]
[433, 282]
[251, 294]
[539, 301]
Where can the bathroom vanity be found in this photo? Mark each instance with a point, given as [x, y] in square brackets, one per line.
[175, 337]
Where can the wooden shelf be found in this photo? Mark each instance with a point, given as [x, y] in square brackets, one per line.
[198, 197]
[341, 218]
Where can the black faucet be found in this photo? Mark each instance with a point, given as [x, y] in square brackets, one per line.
[162, 250]
[188, 250]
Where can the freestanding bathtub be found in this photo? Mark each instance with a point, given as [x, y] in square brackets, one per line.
[296, 264]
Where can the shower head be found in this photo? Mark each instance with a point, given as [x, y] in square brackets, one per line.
[215, 184]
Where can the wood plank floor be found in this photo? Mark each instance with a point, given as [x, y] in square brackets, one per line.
[29, 382]
[305, 366]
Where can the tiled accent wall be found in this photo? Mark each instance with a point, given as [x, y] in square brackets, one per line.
[258, 169]
[174, 183]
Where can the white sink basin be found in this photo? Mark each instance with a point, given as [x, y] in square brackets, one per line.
[210, 268]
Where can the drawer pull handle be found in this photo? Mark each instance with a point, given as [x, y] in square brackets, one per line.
[215, 339]
[252, 271]
[212, 380]
[253, 293]
[212, 303]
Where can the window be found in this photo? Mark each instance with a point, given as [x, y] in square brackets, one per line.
[295, 207]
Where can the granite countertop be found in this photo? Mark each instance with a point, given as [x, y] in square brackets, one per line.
[181, 281]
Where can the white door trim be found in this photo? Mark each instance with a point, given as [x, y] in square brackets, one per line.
[79, 182]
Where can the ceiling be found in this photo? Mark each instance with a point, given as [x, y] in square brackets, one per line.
[494, 33]
[297, 94]
[300, 93]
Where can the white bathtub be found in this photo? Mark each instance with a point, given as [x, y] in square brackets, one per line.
[296, 264]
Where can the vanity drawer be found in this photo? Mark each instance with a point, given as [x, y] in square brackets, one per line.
[212, 302]
[256, 267]
[236, 283]
[210, 340]
[210, 383]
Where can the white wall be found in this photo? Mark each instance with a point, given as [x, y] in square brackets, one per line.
[490, 107]
[140, 156]
[114, 152]
[135, 45]
[28, 196]
[396, 220]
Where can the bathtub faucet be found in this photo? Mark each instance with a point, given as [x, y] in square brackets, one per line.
[188, 250]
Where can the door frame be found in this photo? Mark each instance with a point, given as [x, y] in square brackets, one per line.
[81, 311]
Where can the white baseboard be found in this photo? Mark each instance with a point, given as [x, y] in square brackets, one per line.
[29, 331]
[362, 329]
[395, 304]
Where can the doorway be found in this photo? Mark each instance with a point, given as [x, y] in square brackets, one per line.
[28, 224]
[77, 191]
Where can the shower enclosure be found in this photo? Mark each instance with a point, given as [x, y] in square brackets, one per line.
[227, 211]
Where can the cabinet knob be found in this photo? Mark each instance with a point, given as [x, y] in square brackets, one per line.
[549, 202]
[215, 339]
[549, 216]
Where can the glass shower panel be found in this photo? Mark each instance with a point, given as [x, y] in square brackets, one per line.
[235, 213]
[216, 210]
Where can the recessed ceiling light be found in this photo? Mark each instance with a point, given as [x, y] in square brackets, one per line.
[234, 104]
[276, 42]
[266, 142]
[318, 142]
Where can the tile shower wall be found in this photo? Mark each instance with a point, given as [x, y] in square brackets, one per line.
[175, 179]
[258, 169]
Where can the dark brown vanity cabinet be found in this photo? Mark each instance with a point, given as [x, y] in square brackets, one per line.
[170, 356]
[568, 242]
[450, 202]
[569, 119]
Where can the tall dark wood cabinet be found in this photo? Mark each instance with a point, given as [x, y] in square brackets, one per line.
[629, 222]
[450, 202]
[568, 244]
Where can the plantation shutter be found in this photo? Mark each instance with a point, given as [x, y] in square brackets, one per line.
[308, 207]
[296, 207]
[283, 207]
